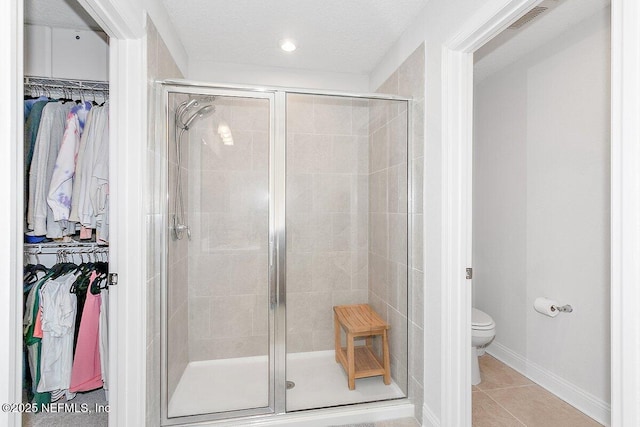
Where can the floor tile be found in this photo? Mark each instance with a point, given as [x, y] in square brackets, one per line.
[487, 413]
[536, 407]
[496, 374]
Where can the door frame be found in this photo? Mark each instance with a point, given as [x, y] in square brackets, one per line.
[457, 124]
[125, 26]
[11, 210]
[276, 310]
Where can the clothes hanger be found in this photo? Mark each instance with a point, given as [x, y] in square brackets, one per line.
[82, 281]
[30, 271]
[64, 266]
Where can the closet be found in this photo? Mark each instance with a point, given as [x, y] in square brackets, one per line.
[66, 217]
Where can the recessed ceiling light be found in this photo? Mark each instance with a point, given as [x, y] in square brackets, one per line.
[287, 45]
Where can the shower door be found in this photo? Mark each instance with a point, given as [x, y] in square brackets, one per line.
[219, 298]
[240, 168]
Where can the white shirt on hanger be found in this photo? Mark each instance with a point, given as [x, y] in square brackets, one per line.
[59, 307]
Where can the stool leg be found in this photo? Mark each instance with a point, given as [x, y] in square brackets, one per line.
[351, 361]
[385, 358]
[336, 327]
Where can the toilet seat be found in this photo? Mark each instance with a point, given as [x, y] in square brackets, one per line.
[481, 321]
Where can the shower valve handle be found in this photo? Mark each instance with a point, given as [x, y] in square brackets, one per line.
[180, 228]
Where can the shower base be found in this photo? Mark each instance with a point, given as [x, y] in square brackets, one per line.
[232, 384]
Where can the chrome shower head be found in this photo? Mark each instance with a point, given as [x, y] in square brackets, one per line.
[184, 118]
[205, 111]
[182, 109]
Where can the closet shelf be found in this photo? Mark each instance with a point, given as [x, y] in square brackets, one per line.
[69, 84]
[65, 245]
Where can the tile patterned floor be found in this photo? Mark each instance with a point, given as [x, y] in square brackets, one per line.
[505, 398]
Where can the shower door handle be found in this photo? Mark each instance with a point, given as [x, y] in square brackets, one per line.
[273, 293]
[271, 257]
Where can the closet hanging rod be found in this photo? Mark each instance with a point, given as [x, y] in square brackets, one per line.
[76, 250]
[64, 245]
[69, 84]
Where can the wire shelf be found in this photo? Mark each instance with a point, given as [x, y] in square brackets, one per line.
[38, 248]
[53, 84]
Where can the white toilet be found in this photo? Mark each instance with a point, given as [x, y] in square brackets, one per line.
[483, 330]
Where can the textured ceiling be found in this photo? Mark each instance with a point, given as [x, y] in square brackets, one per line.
[332, 35]
[58, 13]
[512, 45]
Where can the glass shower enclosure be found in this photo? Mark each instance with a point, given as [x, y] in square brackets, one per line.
[280, 206]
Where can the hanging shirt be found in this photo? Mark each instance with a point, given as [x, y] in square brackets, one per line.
[30, 307]
[80, 205]
[61, 186]
[28, 104]
[37, 327]
[58, 321]
[34, 344]
[99, 188]
[30, 134]
[89, 200]
[48, 141]
[86, 372]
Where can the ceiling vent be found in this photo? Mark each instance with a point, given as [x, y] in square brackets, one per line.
[528, 17]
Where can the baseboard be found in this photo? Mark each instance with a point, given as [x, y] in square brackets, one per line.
[429, 419]
[584, 401]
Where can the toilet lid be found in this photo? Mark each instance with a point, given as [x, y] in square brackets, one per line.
[480, 319]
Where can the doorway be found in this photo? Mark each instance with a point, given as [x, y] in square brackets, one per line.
[541, 208]
[457, 106]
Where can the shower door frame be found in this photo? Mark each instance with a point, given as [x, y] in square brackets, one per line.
[277, 239]
[275, 312]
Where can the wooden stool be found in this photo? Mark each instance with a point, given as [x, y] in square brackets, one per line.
[360, 320]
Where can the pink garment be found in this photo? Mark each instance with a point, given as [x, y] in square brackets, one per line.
[37, 328]
[86, 373]
[85, 233]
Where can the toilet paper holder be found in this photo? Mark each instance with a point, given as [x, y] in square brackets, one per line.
[563, 309]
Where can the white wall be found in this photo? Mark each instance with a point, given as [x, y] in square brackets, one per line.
[254, 75]
[541, 204]
[65, 53]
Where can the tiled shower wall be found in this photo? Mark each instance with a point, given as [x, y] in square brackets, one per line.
[407, 81]
[388, 225]
[160, 65]
[229, 218]
[177, 259]
[327, 214]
